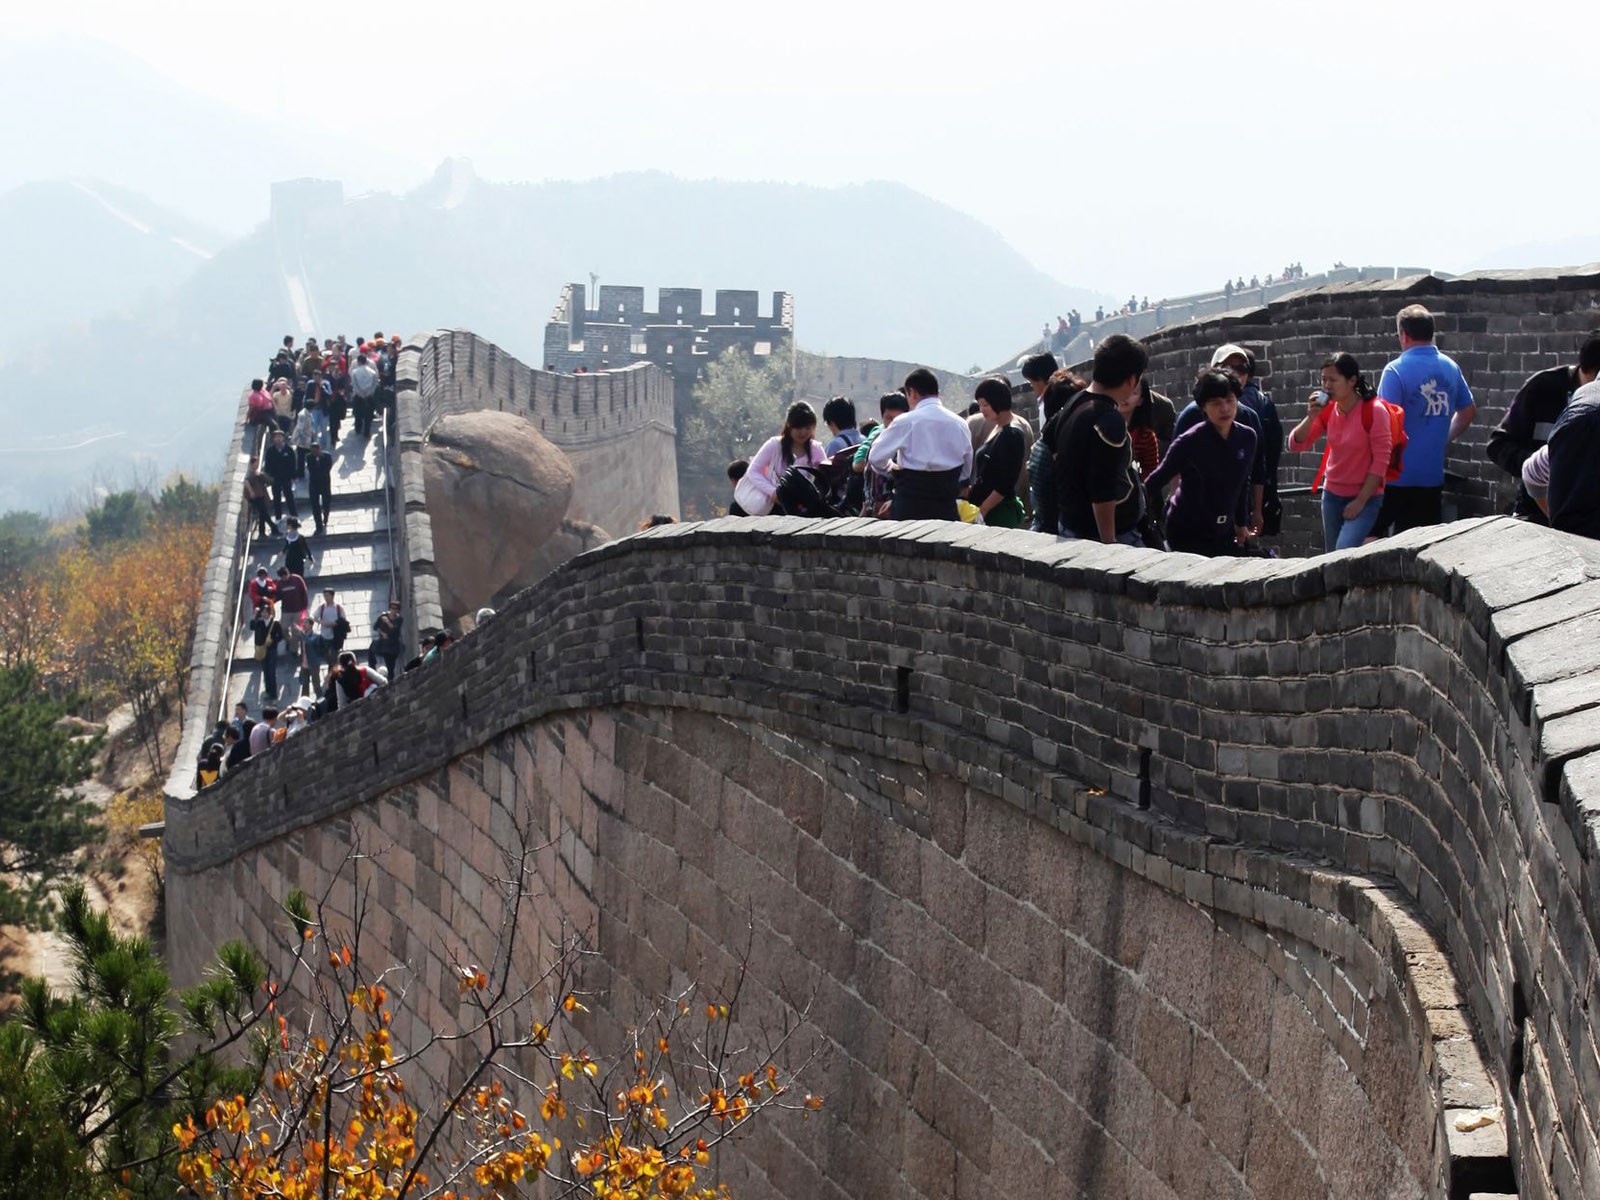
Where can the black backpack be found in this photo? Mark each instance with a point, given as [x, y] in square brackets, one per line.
[799, 496]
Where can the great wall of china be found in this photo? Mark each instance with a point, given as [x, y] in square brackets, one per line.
[1112, 872]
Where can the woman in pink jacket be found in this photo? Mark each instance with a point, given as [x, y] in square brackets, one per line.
[795, 445]
[1359, 441]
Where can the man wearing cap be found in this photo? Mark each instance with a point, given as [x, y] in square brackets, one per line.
[932, 450]
[1438, 407]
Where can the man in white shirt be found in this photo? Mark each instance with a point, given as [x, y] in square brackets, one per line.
[931, 453]
[364, 380]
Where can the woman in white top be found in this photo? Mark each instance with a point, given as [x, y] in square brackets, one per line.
[795, 446]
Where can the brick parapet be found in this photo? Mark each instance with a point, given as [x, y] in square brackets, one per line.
[1416, 712]
[211, 657]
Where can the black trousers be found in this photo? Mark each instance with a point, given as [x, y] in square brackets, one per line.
[269, 676]
[282, 494]
[925, 495]
[321, 501]
[264, 520]
[363, 409]
[1406, 508]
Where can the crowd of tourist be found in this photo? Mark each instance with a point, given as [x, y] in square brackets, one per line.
[1116, 461]
[297, 434]
[1113, 460]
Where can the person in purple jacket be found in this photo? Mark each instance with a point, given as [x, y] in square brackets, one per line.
[1209, 511]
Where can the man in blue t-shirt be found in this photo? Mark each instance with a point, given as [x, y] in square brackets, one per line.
[1438, 407]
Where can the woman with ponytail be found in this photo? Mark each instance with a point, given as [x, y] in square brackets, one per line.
[1357, 455]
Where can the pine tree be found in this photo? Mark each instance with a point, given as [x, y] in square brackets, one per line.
[42, 819]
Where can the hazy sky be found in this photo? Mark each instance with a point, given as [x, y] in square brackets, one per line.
[1145, 145]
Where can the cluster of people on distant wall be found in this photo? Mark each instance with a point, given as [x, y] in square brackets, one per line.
[299, 408]
[1116, 461]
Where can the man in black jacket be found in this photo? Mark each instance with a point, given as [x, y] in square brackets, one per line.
[1100, 496]
[279, 464]
[1534, 411]
[319, 473]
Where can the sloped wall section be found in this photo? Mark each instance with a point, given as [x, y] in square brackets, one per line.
[1007, 804]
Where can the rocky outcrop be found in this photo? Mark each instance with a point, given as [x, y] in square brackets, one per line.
[498, 493]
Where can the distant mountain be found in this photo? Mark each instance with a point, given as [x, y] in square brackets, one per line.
[877, 270]
[1563, 252]
[76, 250]
[80, 109]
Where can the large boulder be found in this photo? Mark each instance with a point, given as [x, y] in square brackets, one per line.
[497, 490]
[569, 541]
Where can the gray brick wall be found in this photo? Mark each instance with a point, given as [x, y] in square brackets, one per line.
[1500, 326]
[1369, 773]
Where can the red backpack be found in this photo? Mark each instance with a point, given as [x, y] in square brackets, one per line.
[1397, 436]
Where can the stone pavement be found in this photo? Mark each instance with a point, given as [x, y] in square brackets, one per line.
[352, 556]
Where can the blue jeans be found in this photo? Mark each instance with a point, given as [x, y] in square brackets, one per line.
[1340, 533]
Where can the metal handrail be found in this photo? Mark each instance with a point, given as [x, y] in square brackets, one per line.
[242, 569]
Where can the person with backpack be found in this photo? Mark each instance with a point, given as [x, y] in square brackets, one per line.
[1429, 388]
[332, 627]
[349, 681]
[1356, 463]
[1099, 494]
[794, 445]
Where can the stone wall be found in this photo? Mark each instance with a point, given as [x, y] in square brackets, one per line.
[616, 427]
[1500, 326]
[1290, 859]
[211, 658]
[819, 378]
